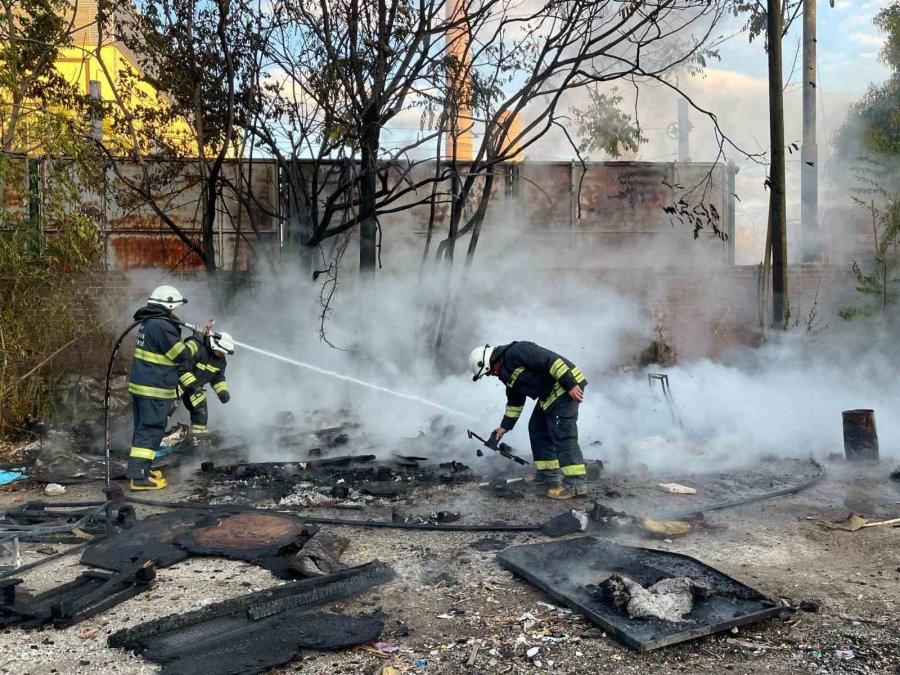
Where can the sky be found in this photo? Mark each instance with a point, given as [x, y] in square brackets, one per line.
[735, 89]
[848, 47]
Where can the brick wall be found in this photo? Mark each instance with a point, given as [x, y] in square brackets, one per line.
[701, 313]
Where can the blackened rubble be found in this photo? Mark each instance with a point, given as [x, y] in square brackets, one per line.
[587, 574]
[257, 631]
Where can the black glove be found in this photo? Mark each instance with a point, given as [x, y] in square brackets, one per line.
[224, 396]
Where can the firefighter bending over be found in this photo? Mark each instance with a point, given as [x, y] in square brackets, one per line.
[530, 371]
[208, 366]
[154, 376]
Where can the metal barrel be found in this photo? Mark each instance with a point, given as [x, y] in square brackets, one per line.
[860, 435]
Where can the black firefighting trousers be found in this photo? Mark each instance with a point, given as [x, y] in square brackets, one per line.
[554, 443]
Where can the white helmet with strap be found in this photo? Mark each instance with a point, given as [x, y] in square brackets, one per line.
[480, 362]
[166, 296]
[223, 343]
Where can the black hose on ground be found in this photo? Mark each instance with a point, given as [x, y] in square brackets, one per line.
[680, 515]
[106, 397]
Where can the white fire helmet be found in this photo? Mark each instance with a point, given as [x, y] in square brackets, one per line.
[480, 361]
[166, 296]
[223, 343]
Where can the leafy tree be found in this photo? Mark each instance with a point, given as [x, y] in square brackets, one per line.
[873, 123]
[877, 279]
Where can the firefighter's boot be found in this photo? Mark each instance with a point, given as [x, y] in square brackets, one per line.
[151, 482]
[560, 493]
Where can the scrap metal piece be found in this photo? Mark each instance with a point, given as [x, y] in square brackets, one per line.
[663, 380]
[572, 571]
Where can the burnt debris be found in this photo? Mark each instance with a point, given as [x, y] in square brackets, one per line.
[88, 595]
[259, 630]
[278, 542]
[577, 572]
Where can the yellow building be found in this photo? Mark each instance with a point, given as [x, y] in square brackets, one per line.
[111, 72]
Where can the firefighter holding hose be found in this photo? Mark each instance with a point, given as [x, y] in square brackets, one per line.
[158, 353]
[531, 371]
[207, 367]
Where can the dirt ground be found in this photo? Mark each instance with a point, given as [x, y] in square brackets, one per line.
[776, 546]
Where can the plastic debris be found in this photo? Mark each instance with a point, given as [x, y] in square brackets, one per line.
[677, 489]
[663, 528]
[11, 476]
[421, 663]
[845, 654]
[386, 647]
[531, 653]
[54, 490]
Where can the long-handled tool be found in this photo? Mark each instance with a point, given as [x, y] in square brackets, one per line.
[494, 444]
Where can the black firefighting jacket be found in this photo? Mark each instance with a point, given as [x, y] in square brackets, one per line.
[205, 368]
[530, 371]
[157, 355]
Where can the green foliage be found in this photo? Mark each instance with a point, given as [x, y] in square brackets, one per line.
[39, 281]
[604, 127]
[873, 123]
[876, 281]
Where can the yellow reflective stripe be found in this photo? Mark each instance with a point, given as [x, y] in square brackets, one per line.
[197, 399]
[558, 369]
[198, 427]
[220, 386]
[187, 379]
[152, 357]
[546, 465]
[193, 346]
[574, 470]
[579, 378]
[515, 376]
[176, 349]
[514, 411]
[208, 368]
[551, 398]
[150, 392]
[143, 453]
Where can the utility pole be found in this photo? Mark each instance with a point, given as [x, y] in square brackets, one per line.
[96, 117]
[777, 206]
[684, 131]
[810, 238]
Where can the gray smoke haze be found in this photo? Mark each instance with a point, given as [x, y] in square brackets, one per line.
[784, 399]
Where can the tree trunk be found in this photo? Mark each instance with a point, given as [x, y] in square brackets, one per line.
[777, 207]
[368, 226]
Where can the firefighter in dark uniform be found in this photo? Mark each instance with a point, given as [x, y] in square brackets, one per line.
[530, 371]
[207, 367]
[154, 376]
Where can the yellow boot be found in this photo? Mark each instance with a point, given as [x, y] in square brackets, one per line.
[151, 482]
[559, 493]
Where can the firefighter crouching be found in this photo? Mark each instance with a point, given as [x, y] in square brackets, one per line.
[530, 371]
[207, 367]
[154, 376]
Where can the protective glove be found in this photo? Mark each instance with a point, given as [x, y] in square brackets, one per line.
[224, 396]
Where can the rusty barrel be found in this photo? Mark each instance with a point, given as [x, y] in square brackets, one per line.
[860, 435]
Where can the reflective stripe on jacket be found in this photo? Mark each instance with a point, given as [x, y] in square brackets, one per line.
[158, 353]
[530, 371]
